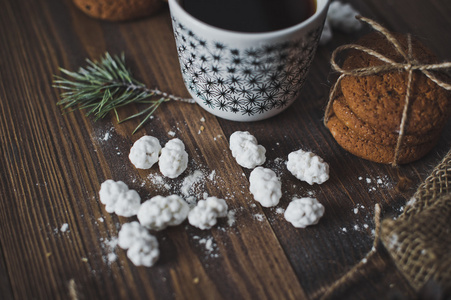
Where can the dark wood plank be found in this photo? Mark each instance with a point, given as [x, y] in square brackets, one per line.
[53, 164]
[68, 159]
[5, 284]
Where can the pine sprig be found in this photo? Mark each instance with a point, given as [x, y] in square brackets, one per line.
[106, 85]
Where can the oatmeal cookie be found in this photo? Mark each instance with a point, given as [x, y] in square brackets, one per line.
[379, 99]
[352, 142]
[118, 10]
[378, 136]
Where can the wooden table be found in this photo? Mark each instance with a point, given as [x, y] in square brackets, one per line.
[52, 166]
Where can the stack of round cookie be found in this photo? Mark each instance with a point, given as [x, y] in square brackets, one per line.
[367, 110]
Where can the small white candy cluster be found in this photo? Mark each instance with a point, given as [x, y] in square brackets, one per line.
[144, 152]
[341, 17]
[158, 212]
[246, 150]
[307, 166]
[265, 186]
[173, 159]
[304, 212]
[142, 246]
[119, 199]
[204, 215]
[161, 212]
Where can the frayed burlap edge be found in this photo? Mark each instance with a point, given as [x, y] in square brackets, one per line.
[419, 241]
[420, 250]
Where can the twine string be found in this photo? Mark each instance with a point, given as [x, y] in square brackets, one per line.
[409, 65]
[358, 268]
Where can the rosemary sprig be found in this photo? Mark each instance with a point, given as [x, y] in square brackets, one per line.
[104, 86]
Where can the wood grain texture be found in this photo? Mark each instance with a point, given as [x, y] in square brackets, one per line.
[52, 165]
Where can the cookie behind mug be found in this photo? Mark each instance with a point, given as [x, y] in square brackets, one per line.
[119, 10]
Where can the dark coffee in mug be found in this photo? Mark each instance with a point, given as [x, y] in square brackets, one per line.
[250, 15]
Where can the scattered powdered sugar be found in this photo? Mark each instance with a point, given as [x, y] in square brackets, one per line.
[212, 175]
[278, 165]
[259, 217]
[311, 193]
[171, 133]
[158, 182]
[190, 181]
[280, 210]
[377, 183]
[106, 136]
[156, 179]
[112, 257]
[231, 217]
[109, 246]
[209, 244]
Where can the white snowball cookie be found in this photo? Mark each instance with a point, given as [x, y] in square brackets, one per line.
[173, 158]
[128, 204]
[204, 215]
[144, 252]
[144, 152]
[265, 186]
[129, 233]
[161, 212]
[304, 212]
[119, 199]
[142, 246]
[245, 149]
[308, 167]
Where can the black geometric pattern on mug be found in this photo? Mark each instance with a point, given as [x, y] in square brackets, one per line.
[249, 81]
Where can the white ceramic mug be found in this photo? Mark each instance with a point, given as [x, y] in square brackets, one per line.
[245, 76]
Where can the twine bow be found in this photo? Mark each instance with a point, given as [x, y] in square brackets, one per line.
[410, 65]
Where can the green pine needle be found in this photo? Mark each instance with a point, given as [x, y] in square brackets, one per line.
[106, 85]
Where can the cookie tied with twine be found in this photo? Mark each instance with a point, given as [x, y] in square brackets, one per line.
[391, 100]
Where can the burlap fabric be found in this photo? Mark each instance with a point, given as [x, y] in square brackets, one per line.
[419, 240]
